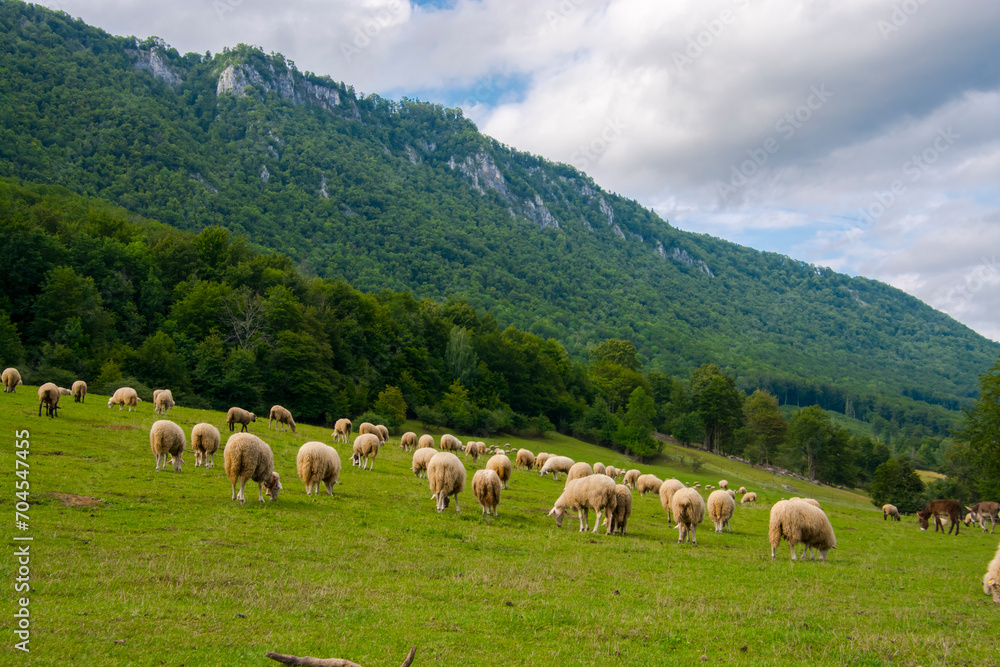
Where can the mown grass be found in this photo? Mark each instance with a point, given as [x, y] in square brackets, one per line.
[167, 570]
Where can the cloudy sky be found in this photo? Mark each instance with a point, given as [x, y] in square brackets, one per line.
[859, 135]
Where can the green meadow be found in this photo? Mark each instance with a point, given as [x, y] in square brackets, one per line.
[134, 567]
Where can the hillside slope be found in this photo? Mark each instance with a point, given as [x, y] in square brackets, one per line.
[409, 196]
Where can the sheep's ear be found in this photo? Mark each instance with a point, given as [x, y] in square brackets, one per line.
[552, 511]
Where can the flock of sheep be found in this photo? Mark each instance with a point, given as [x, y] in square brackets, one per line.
[247, 457]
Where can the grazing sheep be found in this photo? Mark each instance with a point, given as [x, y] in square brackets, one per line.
[696, 485]
[709, 487]
[163, 400]
[125, 396]
[742, 490]
[667, 490]
[749, 497]
[450, 443]
[486, 486]
[248, 457]
[282, 416]
[798, 521]
[596, 492]
[368, 428]
[890, 511]
[599, 468]
[631, 477]
[811, 501]
[472, 447]
[969, 518]
[11, 378]
[732, 494]
[425, 441]
[578, 470]
[446, 476]
[63, 391]
[723, 484]
[525, 459]
[648, 484]
[317, 462]
[623, 509]
[48, 395]
[383, 433]
[500, 464]
[611, 471]
[166, 439]
[342, 430]
[408, 441]
[366, 447]
[205, 441]
[540, 460]
[421, 457]
[991, 580]
[688, 510]
[79, 390]
[239, 416]
[985, 510]
[556, 465]
[720, 509]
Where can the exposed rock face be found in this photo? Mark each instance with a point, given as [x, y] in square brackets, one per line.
[608, 211]
[265, 175]
[153, 62]
[236, 78]
[537, 211]
[483, 172]
[682, 256]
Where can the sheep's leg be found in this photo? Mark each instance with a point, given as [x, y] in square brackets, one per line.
[456, 504]
[791, 547]
[608, 520]
[242, 495]
[260, 491]
[772, 552]
[694, 534]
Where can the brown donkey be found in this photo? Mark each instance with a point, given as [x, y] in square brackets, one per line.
[939, 508]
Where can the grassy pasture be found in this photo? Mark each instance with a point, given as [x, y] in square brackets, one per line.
[166, 570]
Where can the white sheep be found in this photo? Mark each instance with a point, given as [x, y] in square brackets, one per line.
[282, 416]
[426, 441]
[631, 478]
[450, 443]
[611, 471]
[163, 400]
[11, 378]
[688, 510]
[991, 580]
[63, 391]
[891, 511]
[166, 439]
[79, 391]
[556, 465]
[648, 484]
[723, 484]
[48, 395]
[248, 457]
[667, 490]
[540, 460]
[342, 430]
[239, 416]
[811, 501]
[578, 470]
[500, 464]
[599, 468]
[408, 441]
[742, 490]
[205, 440]
[368, 428]
[383, 433]
[623, 509]
[125, 396]
[318, 462]
[366, 447]
[486, 487]
[748, 498]
[525, 459]
[732, 494]
[421, 457]
[446, 476]
[596, 492]
[798, 521]
[720, 509]
[472, 447]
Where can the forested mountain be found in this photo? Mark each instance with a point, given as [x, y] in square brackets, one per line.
[408, 196]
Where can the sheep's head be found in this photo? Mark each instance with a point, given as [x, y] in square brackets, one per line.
[558, 513]
[253, 417]
[111, 401]
[274, 486]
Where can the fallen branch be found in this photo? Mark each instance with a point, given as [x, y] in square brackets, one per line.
[308, 661]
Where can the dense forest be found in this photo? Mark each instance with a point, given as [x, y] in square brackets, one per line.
[93, 291]
[253, 157]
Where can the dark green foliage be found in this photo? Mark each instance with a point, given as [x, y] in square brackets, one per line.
[980, 433]
[896, 483]
[393, 196]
